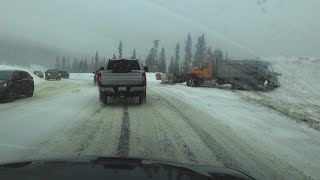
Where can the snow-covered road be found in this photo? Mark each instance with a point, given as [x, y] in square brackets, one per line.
[206, 126]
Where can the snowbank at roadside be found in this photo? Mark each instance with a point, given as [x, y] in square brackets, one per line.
[29, 69]
[81, 76]
[299, 94]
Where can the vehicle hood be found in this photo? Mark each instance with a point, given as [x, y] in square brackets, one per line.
[115, 167]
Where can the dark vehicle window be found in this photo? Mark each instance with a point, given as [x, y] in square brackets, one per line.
[5, 75]
[17, 75]
[24, 75]
[123, 65]
[52, 71]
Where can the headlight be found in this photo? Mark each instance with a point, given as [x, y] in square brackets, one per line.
[3, 85]
[48, 74]
[59, 74]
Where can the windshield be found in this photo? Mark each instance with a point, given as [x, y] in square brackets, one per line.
[5, 75]
[52, 71]
[211, 83]
[123, 65]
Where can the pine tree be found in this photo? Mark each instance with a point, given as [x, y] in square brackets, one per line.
[200, 54]
[85, 66]
[73, 66]
[134, 54]
[92, 65]
[188, 54]
[64, 64]
[151, 60]
[218, 55]
[177, 57]
[162, 61]
[68, 65]
[96, 65]
[114, 56]
[155, 46]
[210, 55]
[226, 56]
[76, 67]
[120, 50]
[171, 66]
[57, 63]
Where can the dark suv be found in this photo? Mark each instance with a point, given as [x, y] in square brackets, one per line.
[14, 83]
[52, 74]
[39, 74]
[64, 74]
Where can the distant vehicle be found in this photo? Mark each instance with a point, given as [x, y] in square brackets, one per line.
[91, 167]
[39, 74]
[244, 74]
[52, 74]
[64, 74]
[14, 83]
[122, 78]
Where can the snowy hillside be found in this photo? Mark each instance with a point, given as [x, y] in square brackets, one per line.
[299, 95]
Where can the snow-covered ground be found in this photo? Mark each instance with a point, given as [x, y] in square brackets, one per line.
[209, 126]
[299, 94]
[81, 76]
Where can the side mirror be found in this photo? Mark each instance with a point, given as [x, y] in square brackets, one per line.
[145, 69]
[94, 73]
[101, 69]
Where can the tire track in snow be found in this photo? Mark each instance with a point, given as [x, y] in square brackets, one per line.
[189, 155]
[123, 146]
[221, 155]
[247, 158]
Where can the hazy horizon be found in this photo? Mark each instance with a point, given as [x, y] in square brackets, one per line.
[245, 29]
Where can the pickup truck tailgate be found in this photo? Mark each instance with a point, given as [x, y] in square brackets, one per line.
[109, 79]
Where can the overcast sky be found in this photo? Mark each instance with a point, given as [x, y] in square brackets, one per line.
[246, 28]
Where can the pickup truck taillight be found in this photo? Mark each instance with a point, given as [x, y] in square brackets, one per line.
[98, 76]
[144, 78]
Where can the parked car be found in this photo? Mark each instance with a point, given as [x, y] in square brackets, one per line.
[52, 74]
[39, 74]
[64, 74]
[14, 83]
[122, 78]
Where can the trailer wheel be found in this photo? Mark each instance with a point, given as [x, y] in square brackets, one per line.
[235, 86]
[189, 81]
[193, 82]
[103, 98]
[143, 98]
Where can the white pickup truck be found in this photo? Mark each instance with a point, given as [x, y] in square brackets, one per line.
[122, 78]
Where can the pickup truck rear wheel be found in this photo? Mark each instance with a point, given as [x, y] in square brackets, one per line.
[103, 98]
[142, 99]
